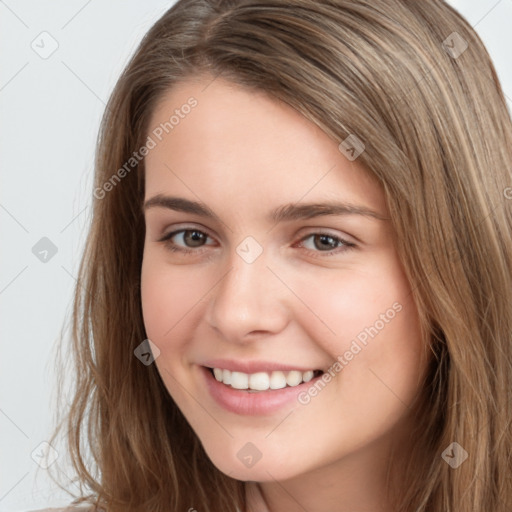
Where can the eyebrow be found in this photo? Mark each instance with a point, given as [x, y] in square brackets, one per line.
[286, 212]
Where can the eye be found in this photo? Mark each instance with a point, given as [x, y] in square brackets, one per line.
[327, 243]
[192, 238]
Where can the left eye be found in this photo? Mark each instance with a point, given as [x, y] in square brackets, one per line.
[324, 242]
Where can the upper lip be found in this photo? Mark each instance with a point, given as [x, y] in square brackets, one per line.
[255, 366]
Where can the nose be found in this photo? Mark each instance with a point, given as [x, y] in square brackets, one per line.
[249, 302]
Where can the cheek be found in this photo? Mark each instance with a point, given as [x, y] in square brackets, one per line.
[344, 303]
[370, 320]
[168, 299]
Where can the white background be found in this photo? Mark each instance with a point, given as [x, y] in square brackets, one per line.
[50, 111]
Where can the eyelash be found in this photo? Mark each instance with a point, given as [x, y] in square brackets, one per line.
[166, 240]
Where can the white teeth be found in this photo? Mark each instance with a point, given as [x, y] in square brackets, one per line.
[307, 376]
[259, 381]
[239, 380]
[262, 381]
[294, 378]
[277, 380]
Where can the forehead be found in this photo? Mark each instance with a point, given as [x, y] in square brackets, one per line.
[217, 138]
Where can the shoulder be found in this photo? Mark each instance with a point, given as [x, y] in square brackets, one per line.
[76, 508]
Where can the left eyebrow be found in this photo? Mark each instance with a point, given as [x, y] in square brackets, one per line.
[304, 211]
[286, 212]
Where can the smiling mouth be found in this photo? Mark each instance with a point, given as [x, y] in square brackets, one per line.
[262, 381]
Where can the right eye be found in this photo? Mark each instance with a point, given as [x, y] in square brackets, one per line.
[190, 237]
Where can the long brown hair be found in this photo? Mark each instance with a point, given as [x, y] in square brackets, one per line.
[413, 81]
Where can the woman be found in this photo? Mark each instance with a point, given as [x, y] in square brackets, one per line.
[296, 289]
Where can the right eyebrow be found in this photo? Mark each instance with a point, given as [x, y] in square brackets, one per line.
[180, 204]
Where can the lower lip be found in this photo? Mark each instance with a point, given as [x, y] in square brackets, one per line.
[252, 404]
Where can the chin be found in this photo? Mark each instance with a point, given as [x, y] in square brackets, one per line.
[266, 469]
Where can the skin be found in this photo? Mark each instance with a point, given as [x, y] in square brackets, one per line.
[242, 154]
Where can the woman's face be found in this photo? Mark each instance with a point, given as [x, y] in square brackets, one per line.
[267, 288]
